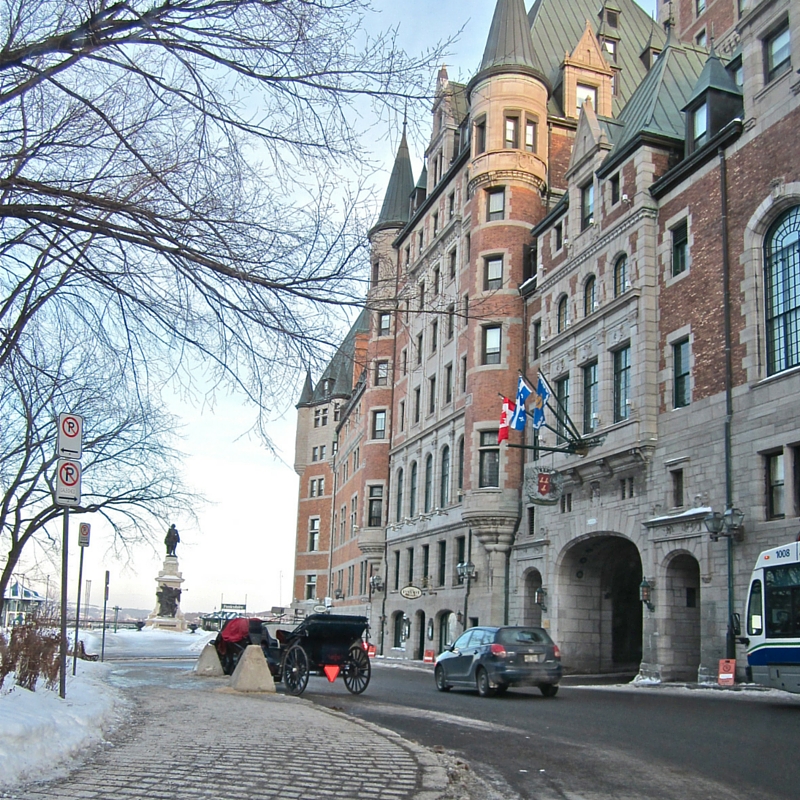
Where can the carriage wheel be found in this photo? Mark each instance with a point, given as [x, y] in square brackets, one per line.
[357, 670]
[295, 670]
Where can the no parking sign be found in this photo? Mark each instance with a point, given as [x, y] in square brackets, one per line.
[727, 670]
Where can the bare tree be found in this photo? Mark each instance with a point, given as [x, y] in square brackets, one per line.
[131, 471]
[171, 178]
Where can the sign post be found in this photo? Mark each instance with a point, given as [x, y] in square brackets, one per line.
[83, 542]
[105, 607]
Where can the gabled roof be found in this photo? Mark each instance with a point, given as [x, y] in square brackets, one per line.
[340, 368]
[714, 76]
[395, 210]
[557, 25]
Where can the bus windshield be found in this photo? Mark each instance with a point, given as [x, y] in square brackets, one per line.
[782, 586]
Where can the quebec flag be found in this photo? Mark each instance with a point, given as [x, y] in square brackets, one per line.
[520, 417]
[540, 398]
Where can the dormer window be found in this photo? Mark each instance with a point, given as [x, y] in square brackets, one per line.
[610, 46]
[699, 126]
[612, 18]
[700, 39]
[587, 205]
[585, 93]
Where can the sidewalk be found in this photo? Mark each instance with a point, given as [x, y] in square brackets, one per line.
[194, 738]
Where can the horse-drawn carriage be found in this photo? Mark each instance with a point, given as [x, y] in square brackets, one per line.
[322, 644]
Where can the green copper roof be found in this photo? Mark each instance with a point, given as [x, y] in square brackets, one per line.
[714, 76]
[395, 208]
[509, 43]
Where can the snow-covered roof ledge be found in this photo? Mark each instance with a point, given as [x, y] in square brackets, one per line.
[684, 524]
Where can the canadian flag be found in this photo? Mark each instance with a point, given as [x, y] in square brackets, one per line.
[505, 416]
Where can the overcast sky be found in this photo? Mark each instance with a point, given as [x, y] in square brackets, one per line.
[243, 550]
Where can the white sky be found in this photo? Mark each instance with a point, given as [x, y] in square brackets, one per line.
[244, 547]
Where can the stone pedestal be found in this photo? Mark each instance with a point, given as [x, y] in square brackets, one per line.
[167, 614]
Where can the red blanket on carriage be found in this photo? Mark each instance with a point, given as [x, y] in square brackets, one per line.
[237, 629]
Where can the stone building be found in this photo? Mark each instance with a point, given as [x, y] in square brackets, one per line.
[614, 204]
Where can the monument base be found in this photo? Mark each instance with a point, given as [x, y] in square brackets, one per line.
[167, 623]
[167, 614]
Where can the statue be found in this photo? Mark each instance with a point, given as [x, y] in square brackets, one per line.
[171, 540]
[168, 599]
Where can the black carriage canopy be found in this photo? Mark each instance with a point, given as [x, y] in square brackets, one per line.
[331, 626]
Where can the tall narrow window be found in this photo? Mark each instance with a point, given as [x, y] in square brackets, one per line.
[589, 296]
[680, 362]
[313, 534]
[495, 207]
[562, 396]
[677, 488]
[398, 515]
[451, 321]
[777, 53]
[622, 384]
[587, 206]
[700, 126]
[442, 563]
[537, 341]
[431, 394]
[419, 348]
[417, 397]
[489, 460]
[620, 276]
[480, 136]
[412, 491]
[511, 138]
[531, 132]
[375, 506]
[428, 483]
[410, 552]
[402, 415]
[434, 335]
[782, 278]
[384, 324]
[444, 485]
[775, 486]
[590, 397]
[493, 273]
[311, 587]
[563, 315]
[452, 262]
[680, 248]
[381, 373]
[614, 184]
[491, 344]
[583, 94]
[448, 383]
[460, 474]
[379, 425]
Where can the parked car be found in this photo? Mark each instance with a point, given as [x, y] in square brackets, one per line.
[492, 659]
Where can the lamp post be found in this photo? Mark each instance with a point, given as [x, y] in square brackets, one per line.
[466, 571]
[728, 524]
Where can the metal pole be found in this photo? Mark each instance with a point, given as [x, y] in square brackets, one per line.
[105, 606]
[116, 617]
[62, 686]
[77, 615]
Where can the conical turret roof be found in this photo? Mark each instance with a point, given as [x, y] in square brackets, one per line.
[307, 393]
[395, 209]
[509, 43]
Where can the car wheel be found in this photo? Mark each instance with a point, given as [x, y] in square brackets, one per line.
[548, 689]
[482, 682]
[441, 683]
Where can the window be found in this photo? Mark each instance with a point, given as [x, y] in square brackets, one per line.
[451, 205]
[700, 6]
[777, 53]
[442, 562]
[626, 488]
[417, 397]
[699, 126]
[384, 324]
[353, 514]
[404, 361]
[402, 414]
[755, 610]
[375, 273]
[612, 18]
[622, 384]
[531, 512]
[437, 277]
[610, 46]
[398, 514]
[589, 299]
[408, 255]
[410, 562]
[587, 206]
[782, 279]
[493, 273]
[428, 483]
[775, 486]
[322, 452]
[537, 340]
[313, 534]
[382, 373]
[375, 506]
[460, 468]
[311, 587]
[461, 555]
[562, 397]
[491, 345]
[531, 135]
[480, 136]
[399, 618]
[590, 397]
[451, 321]
[426, 565]
[422, 296]
[448, 384]
[566, 502]
[444, 485]
[614, 189]
[320, 417]
[620, 275]
[434, 335]
[412, 491]
[495, 206]
[435, 224]
[314, 453]
[563, 316]
[420, 241]
[342, 524]
[452, 263]
[511, 137]
[378, 424]
[431, 394]
[419, 348]
[559, 233]
[585, 93]
[680, 369]
[782, 585]
[677, 488]
[463, 374]
[701, 39]
[680, 248]
[489, 460]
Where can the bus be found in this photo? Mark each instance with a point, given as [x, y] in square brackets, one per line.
[773, 619]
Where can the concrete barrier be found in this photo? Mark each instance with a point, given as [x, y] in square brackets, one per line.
[208, 665]
[252, 672]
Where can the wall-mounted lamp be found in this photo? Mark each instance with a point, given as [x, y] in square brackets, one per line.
[459, 618]
[646, 594]
[376, 583]
[540, 598]
[730, 523]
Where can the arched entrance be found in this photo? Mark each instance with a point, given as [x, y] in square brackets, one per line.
[681, 644]
[447, 629]
[599, 611]
[532, 610]
[420, 623]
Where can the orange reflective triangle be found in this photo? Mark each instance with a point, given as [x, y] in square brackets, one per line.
[331, 672]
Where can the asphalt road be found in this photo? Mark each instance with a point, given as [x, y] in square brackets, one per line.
[590, 743]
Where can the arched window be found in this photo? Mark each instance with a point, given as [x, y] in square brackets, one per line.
[397, 637]
[444, 486]
[620, 275]
[428, 483]
[782, 279]
[589, 296]
[563, 319]
[460, 468]
[412, 492]
[399, 513]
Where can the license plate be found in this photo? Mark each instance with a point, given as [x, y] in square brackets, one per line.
[532, 658]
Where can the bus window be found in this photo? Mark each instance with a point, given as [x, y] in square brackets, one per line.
[783, 600]
[755, 612]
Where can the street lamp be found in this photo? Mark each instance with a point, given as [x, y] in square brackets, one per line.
[466, 572]
[729, 524]
[646, 594]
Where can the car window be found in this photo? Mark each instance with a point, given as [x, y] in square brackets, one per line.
[481, 637]
[462, 640]
[523, 636]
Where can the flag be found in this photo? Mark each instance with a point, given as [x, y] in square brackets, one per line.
[540, 398]
[519, 417]
[505, 415]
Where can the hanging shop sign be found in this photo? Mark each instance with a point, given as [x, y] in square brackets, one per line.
[411, 592]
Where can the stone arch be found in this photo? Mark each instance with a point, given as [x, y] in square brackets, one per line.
[532, 612]
[599, 614]
[446, 626]
[418, 634]
[681, 598]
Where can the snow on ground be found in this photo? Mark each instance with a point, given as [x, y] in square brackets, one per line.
[41, 735]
